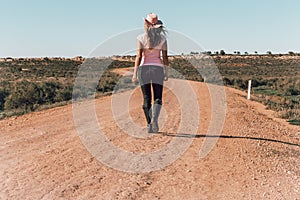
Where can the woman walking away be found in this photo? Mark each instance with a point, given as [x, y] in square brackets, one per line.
[151, 68]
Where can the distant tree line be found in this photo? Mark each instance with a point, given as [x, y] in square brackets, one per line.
[222, 52]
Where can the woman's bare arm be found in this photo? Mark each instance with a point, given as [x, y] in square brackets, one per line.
[165, 60]
[138, 60]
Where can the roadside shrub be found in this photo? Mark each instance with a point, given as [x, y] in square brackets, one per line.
[240, 83]
[25, 95]
[29, 95]
[64, 94]
[49, 91]
[3, 95]
[227, 81]
[292, 91]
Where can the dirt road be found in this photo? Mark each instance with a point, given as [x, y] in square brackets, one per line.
[256, 157]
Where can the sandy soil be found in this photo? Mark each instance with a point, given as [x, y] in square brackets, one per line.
[256, 157]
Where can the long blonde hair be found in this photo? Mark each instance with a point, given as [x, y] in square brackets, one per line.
[154, 35]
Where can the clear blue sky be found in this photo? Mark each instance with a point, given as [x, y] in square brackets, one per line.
[67, 28]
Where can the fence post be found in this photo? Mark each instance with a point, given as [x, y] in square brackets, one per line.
[249, 89]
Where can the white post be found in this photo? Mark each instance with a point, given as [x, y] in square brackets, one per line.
[249, 89]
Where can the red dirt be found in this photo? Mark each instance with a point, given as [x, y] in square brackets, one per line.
[256, 157]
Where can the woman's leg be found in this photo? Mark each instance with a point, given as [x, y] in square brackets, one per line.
[157, 84]
[145, 84]
[146, 90]
[157, 78]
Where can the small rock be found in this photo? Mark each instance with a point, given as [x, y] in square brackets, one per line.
[278, 184]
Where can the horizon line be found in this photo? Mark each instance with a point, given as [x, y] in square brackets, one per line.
[210, 53]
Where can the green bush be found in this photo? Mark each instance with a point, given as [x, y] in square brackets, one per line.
[3, 95]
[29, 95]
[227, 81]
[292, 91]
[240, 83]
[25, 95]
